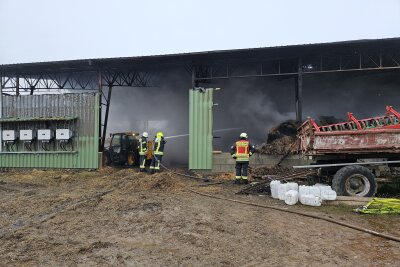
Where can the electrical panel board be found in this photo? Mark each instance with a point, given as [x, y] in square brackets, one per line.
[27, 135]
[63, 134]
[9, 135]
[45, 134]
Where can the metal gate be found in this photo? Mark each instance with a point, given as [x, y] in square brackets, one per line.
[200, 128]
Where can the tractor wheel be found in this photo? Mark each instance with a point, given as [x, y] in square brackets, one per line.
[354, 181]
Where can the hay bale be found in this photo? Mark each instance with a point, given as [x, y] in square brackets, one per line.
[286, 128]
[280, 139]
[279, 146]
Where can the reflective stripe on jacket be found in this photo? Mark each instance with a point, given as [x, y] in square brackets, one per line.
[159, 146]
[242, 152]
[142, 146]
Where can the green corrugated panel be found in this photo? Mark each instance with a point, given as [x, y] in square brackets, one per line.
[200, 129]
[86, 155]
[24, 119]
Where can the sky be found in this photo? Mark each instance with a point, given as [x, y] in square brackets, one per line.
[49, 30]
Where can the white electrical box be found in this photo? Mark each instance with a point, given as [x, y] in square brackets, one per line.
[27, 135]
[45, 134]
[9, 135]
[63, 134]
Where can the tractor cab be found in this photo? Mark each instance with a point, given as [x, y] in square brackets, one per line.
[123, 149]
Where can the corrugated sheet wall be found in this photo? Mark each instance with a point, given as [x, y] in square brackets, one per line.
[84, 153]
[200, 129]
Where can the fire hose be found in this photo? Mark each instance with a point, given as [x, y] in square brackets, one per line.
[354, 227]
[204, 179]
[390, 237]
[381, 206]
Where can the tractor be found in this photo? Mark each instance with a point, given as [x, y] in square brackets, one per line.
[124, 150]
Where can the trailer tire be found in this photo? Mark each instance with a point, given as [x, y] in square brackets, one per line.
[354, 181]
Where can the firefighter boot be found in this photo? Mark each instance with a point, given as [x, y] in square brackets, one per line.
[237, 180]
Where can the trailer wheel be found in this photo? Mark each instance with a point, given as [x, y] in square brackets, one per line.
[354, 181]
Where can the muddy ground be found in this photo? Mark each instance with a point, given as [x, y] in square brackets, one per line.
[119, 217]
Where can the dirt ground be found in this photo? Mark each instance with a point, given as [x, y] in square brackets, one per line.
[119, 217]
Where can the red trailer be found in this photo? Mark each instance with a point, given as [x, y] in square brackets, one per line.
[352, 154]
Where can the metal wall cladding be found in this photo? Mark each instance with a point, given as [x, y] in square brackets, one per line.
[84, 106]
[200, 129]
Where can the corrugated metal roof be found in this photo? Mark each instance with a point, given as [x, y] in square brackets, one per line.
[99, 63]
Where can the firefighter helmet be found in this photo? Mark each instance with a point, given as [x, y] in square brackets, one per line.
[243, 135]
[159, 134]
[145, 134]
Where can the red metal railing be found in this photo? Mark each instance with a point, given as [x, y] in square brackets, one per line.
[389, 121]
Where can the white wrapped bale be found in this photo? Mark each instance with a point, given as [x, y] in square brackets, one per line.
[328, 195]
[291, 197]
[282, 189]
[315, 190]
[311, 200]
[303, 190]
[274, 185]
[293, 186]
[326, 192]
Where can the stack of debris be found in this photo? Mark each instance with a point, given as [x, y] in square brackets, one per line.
[281, 139]
[275, 170]
[280, 172]
[264, 175]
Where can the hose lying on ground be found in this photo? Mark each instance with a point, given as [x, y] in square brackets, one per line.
[204, 179]
[381, 206]
[390, 237]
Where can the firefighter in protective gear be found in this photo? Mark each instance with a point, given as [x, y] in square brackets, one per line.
[143, 151]
[158, 152]
[241, 151]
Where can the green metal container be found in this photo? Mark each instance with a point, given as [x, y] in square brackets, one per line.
[80, 111]
[200, 129]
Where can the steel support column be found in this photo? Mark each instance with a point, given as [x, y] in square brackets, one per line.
[1, 113]
[299, 92]
[100, 82]
[108, 102]
[195, 82]
[17, 86]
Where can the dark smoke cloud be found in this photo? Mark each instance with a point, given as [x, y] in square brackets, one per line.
[363, 94]
[253, 105]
